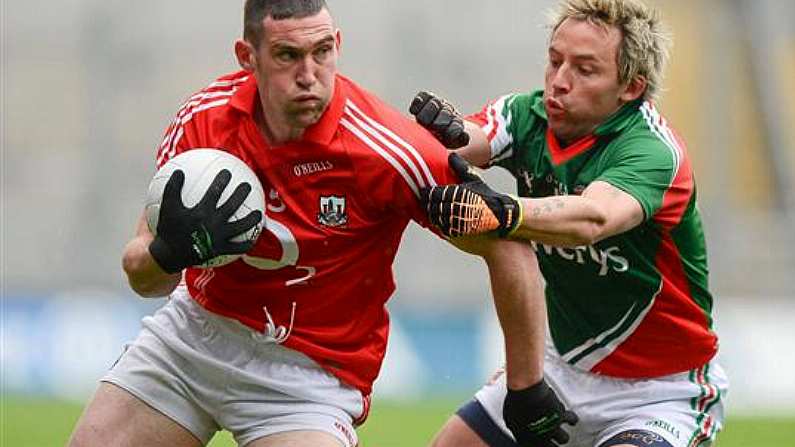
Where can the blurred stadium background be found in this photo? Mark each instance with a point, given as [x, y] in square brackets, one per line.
[88, 87]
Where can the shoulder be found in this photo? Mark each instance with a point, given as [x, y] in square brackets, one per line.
[215, 99]
[385, 144]
[511, 113]
[369, 121]
[650, 138]
[369, 112]
[206, 116]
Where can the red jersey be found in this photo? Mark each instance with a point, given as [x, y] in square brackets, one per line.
[338, 201]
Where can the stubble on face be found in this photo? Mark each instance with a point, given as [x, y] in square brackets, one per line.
[581, 84]
[296, 70]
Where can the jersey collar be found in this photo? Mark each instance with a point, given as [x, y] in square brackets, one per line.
[246, 99]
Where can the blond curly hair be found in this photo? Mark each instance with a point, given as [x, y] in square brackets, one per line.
[645, 43]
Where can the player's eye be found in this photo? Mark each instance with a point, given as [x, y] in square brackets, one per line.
[286, 56]
[323, 52]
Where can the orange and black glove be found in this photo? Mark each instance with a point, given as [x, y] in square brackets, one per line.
[470, 207]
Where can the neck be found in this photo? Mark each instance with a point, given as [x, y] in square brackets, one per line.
[275, 131]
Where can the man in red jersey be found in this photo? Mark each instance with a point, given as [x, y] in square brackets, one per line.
[282, 346]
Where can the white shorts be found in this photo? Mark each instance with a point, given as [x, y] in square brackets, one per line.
[207, 372]
[685, 409]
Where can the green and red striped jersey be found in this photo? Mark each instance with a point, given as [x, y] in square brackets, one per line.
[636, 304]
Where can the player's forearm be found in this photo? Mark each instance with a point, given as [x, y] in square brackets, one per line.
[519, 301]
[146, 278]
[563, 221]
[478, 151]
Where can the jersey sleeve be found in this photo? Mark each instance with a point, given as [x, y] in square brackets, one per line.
[183, 133]
[503, 120]
[646, 169]
[396, 159]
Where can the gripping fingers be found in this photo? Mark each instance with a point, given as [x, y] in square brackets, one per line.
[456, 136]
[427, 115]
[560, 436]
[240, 226]
[419, 101]
[462, 168]
[235, 200]
[217, 187]
[570, 417]
[172, 193]
[437, 207]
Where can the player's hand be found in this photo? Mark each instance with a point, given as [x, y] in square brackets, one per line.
[535, 416]
[441, 118]
[192, 236]
[470, 207]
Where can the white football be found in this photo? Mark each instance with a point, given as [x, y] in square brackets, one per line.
[200, 167]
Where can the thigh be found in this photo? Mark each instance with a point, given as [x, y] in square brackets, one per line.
[470, 429]
[116, 417]
[298, 438]
[167, 369]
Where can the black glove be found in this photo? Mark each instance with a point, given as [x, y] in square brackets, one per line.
[192, 236]
[471, 207]
[441, 118]
[535, 416]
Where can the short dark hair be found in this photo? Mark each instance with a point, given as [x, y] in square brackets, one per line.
[255, 11]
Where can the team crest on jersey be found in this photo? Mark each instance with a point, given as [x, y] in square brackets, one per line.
[332, 211]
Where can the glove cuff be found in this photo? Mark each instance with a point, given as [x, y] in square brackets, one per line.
[165, 257]
[535, 392]
[512, 209]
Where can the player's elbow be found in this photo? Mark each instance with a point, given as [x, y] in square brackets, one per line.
[143, 278]
[591, 229]
[147, 288]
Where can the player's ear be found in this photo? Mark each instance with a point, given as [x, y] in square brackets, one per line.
[634, 89]
[338, 39]
[244, 52]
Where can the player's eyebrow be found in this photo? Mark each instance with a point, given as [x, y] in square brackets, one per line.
[285, 45]
[582, 57]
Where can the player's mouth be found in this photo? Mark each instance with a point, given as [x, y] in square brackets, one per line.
[554, 107]
[306, 99]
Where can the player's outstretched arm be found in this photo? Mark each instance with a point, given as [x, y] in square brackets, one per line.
[145, 276]
[472, 207]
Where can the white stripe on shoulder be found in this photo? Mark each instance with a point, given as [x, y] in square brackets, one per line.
[497, 123]
[194, 104]
[380, 151]
[179, 130]
[385, 143]
[418, 159]
[659, 127]
[189, 108]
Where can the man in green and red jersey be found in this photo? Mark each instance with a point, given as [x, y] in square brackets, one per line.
[608, 201]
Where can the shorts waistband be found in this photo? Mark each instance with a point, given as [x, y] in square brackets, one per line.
[229, 327]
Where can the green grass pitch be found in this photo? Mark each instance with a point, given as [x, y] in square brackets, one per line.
[44, 423]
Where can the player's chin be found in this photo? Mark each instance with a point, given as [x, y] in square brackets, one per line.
[306, 116]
